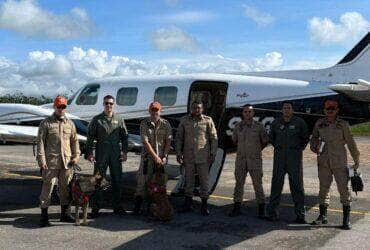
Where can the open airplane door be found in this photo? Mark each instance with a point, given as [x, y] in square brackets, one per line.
[213, 96]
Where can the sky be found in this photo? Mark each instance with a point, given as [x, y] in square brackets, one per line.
[52, 47]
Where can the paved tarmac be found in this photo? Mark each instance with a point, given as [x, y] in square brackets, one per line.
[19, 213]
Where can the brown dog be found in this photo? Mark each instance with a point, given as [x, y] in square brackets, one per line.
[161, 208]
[82, 187]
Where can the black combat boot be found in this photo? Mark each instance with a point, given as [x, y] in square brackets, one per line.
[187, 205]
[138, 203]
[65, 214]
[300, 219]
[94, 213]
[204, 208]
[261, 211]
[119, 210]
[236, 210]
[346, 212]
[322, 218]
[44, 221]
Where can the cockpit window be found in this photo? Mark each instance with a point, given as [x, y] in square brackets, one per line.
[72, 97]
[166, 95]
[89, 95]
[127, 96]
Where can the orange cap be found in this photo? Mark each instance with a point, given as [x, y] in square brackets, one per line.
[331, 104]
[59, 101]
[155, 105]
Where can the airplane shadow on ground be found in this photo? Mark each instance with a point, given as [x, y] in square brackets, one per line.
[188, 230]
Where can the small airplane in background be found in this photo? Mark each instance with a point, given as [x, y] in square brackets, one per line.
[19, 123]
[224, 94]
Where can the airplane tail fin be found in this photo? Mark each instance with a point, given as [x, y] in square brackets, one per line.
[361, 49]
[353, 66]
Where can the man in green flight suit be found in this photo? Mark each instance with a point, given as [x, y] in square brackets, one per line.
[108, 129]
[289, 136]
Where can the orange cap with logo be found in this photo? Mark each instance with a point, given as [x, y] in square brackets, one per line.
[59, 101]
[155, 105]
[331, 104]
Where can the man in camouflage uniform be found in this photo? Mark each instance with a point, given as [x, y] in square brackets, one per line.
[57, 150]
[108, 130]
[156, 136]
[196, 146]
[330, 135]
[251, 138]
[289, 136]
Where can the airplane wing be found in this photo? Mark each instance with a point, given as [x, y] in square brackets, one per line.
[15, 133]
[23, 134]
[28, 134]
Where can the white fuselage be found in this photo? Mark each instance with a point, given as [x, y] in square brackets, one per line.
[241, 90]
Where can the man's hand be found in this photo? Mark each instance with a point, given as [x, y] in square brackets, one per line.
[157, 160]
[73, 162]
[211, 159]
[356, 165]
[44, 166]
[91, 158]
[164, 160]
[180, 159]
[123, 157]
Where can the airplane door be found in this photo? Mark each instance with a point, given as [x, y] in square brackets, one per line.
[213, 96]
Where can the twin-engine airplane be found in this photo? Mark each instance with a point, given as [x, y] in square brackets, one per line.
[224, 94]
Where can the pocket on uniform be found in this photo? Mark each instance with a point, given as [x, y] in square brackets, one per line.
[67, 131]
[51, 161]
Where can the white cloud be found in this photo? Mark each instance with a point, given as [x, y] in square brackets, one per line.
[187, 17]
[174, 38]
[49, 74]
[261, 18]
[27, 18]
[351, 27]
[220, 64]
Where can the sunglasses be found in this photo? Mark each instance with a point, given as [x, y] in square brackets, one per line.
[108, 103]
[62, 107]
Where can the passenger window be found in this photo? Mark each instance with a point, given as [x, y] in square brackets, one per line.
[127, 96]
[166, 96]
[89, 95]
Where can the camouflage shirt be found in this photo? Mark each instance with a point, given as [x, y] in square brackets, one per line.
[156, 135]
[57, 138]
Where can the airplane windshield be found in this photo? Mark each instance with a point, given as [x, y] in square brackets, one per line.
[73, 96]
